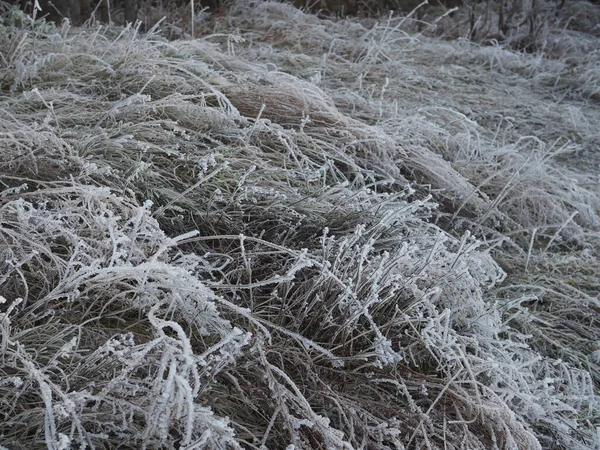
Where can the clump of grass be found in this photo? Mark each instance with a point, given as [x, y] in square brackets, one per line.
[104, 341]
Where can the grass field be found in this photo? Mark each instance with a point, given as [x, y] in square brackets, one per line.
[293, 232]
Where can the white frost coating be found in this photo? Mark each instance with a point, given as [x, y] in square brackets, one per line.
[404, 256]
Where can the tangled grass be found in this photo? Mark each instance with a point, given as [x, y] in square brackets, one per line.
[296, 233]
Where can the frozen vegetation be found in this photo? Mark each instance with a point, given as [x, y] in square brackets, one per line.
[299, 233]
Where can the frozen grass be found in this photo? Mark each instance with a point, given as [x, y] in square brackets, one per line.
[296, 233]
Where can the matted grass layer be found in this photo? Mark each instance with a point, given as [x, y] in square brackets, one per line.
[296, 233]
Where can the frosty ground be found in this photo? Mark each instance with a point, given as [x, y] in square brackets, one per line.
[302, 233]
